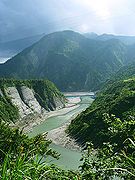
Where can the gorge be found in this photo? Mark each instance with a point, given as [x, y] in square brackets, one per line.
[102, 123]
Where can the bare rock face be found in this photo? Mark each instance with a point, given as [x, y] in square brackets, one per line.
[1, 93]
[58, 103]
[24, 99]
[29, 99]
[13, 93]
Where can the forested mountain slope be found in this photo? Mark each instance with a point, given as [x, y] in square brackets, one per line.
[70, 60]
[111, 117]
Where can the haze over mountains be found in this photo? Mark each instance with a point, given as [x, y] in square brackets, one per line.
[128, 40]
[11, 48]
[72, 61]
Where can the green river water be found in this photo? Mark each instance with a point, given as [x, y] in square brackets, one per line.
[69, 159]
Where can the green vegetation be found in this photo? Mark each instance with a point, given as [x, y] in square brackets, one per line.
[22, 158]
[125, 72]
[70, 60]
[111, 154]
[94, 124]
[108, 162]
[8, 112]
[106, 129]
[45, 93]
[109, 127]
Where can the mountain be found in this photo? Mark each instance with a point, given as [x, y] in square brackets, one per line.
[20, 99]
[10, 48]
[91, 35]
[70, 60]
[126, 72]
[110, 118]
[127, 40]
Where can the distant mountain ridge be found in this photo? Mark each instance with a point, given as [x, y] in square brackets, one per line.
[70, 60]
[127, 40]
[10, 48]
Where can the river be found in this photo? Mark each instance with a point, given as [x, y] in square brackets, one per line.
[69, 159]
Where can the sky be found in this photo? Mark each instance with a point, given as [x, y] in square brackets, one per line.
[24, 18]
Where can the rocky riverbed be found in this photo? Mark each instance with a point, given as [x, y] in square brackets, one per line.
[32, 120]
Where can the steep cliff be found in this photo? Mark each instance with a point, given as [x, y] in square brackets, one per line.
[18, 99]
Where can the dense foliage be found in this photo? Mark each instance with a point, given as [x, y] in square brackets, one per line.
[114, 156]
[125, 72]
[108, 162]
[8, 112]
[25, 158]
[109, 125]
[70, 60]
[45, 93]
[117, 100]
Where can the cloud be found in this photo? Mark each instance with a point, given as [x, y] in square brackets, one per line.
[19, 19]
[24, 18]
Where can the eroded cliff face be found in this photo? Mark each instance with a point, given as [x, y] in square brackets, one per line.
[28, 96]
[1, 93]
[24, 99]
[31, 97]
[13, 94]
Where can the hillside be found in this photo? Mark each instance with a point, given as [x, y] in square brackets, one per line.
[126, 72]
[70, 60]
[110, 118]
[18, 99]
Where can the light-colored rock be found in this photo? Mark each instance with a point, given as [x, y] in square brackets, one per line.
[58, 103]
[59, 137]
[24, 110]
[29, 99]
[24, 99]
[1, 93]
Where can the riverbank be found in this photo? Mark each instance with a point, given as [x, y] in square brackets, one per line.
[28, 123]
[68, 148]
[58, 136]
[78, 94]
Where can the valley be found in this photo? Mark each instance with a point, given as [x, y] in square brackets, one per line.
[93, 120]
[67, 90]
[85, 64]
[56, 126]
